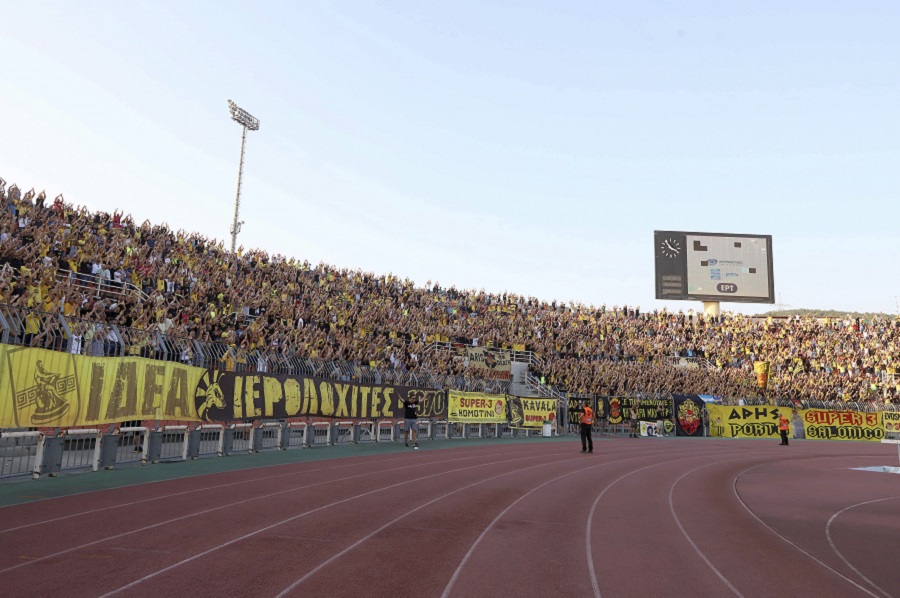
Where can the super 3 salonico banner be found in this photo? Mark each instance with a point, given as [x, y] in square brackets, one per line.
[761, 421]
[42, 388]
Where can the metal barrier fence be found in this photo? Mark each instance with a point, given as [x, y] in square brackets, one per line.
[80, 450]
[268, 436]
[20, 453]
[32, 453]
[210, 440]
[170, 443]
[240, 437]
[456, 430]
[440, 430]
[385, 432]
[132, 445]
[321, 434]
[296, 435]
[365, 431]
[342, 433]
[423, 429]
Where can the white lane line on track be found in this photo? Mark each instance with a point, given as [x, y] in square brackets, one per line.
[295, 517]
[453, 578]
[183, 493]
[468, 555]
[687, 537]
[335, 557]
[240, 502]
[212, 473]
[206, 488]
[838, 552]
[590, 521]
[175, 479]
[791, 543]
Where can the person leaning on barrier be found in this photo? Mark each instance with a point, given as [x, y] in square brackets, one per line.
[587, 420]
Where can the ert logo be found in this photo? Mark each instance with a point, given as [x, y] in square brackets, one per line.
[726, 287]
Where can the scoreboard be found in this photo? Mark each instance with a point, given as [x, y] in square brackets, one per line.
[713, 267]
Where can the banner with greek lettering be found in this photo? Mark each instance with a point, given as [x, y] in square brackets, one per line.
[475, 408]
[223, 396]
[490, 363]
[574, 410]
[600, 405]
[647, 409]
[43, 388]
[757, 421]
[530, 412]
[824, 424]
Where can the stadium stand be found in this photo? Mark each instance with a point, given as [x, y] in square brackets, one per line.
[100, 284]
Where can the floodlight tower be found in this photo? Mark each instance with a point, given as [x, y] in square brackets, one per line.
[249, 123]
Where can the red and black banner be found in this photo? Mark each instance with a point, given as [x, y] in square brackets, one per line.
[228, 396]
[619, 409]
[688, 415]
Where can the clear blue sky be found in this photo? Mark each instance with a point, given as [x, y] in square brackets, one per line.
[522, 146]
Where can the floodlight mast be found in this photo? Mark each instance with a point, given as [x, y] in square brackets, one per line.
[251, 123]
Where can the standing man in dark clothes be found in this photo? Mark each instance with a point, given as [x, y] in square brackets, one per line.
[410, 423]
[587, 420]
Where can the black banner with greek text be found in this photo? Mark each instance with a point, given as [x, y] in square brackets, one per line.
[226, 396]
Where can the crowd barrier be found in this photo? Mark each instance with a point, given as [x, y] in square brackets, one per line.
[33, 453]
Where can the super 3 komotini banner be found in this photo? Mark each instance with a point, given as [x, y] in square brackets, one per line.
[761, 421]
[476, 408]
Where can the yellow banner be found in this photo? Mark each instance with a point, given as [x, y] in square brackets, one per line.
[825, 424]
[761, 421]
[475, 408]
[761, 368]
[530, 413]
[757, 421]
[41, 388]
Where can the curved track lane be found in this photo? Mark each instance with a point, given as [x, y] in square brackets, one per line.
[665, 517]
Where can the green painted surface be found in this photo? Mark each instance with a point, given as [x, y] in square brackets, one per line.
[24, 489]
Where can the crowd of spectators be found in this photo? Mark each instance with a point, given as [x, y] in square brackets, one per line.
[186, 286]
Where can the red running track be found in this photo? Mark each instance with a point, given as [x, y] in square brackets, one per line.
[658, 517]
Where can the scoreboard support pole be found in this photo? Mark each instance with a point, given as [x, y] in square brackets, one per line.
[711, 308]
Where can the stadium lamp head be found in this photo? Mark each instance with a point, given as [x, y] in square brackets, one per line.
[242, 117]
